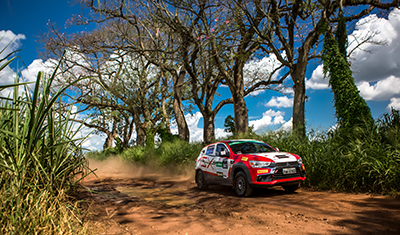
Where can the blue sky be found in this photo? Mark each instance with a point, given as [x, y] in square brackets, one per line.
[376, 68]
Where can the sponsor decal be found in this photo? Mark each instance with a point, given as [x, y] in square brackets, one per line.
[244, 158]
[209, 164]
[219, 164]
[203, 162]
[263, 171]
[219, 174]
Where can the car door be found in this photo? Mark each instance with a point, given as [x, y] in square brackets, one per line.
[208, 163]
[223, 163]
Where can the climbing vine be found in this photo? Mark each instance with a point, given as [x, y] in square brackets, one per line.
[351, 108]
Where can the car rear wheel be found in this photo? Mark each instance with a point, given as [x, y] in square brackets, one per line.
[291, 188]
[201, 183]
[242, 186]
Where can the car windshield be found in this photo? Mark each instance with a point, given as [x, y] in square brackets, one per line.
[250, 147]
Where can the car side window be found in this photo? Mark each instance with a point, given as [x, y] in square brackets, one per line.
[222, 150]
[210, 150]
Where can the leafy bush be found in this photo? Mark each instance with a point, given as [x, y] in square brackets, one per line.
[137, 154]
[103, 155]
[177, 152]
[363, 164]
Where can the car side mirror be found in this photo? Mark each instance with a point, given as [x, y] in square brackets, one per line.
[277, 149]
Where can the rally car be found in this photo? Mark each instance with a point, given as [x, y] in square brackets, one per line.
[245, 164]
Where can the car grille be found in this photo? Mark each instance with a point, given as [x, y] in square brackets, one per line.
[279, 175]
[284, 164]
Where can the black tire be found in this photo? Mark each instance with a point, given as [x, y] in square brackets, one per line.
[291, 188]
[242, 186]
[200, 181]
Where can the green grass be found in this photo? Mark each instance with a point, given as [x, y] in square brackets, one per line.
[364, 163]
[175, 153]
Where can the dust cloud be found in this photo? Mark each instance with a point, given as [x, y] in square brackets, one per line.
[116, 168]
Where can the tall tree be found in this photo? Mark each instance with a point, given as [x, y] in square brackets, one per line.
[297, 27]
[351, 108]
[153, 41]
[123, 81]
[196, 57]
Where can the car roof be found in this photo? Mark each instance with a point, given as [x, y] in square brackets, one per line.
[228, 142]
[240, 140]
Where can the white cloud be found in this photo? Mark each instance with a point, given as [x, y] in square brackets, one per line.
[9, 42]
[269, 118]
[377, 62]
[30, 74]
[221, 133]
[10, 39]
[376, 68]
[280, 101]
[7, 76]
[196, 133]
[317, 80]
[382, 90]
[94, 141]
[395, 103]
[287, 126]
[258, 70]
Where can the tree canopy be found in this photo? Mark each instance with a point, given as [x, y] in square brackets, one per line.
[149, 57]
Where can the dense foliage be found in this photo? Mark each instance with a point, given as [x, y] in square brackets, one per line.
[351, 108]
[175, 152]
[40, 162]
[362, 165]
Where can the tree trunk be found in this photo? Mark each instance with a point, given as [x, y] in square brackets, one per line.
[140, 132]
[109, 140]
[163, 105]
[239, 104]
[299, 88]
[241, 115]
[183, 129]
[209, 129]
[111, 136]
[128, 133]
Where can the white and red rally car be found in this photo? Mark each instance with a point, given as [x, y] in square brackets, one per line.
[244, 164]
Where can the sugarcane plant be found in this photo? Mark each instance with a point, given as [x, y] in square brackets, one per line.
[41, 157]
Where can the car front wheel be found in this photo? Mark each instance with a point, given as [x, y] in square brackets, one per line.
[242, 186]
[201, 183]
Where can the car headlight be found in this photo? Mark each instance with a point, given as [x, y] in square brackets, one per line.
[300, 161]
[259, 164]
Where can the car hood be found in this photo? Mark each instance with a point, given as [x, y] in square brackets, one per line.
[275, 156]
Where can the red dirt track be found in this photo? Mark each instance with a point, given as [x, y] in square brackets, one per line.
[131, 200]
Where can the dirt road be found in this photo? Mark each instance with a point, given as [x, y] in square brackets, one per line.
[123, 202]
